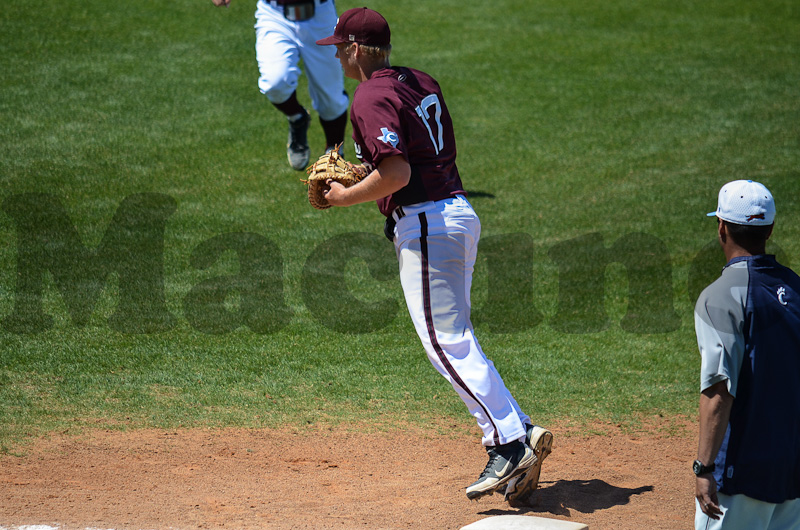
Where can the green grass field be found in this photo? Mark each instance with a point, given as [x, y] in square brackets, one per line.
[593, 138]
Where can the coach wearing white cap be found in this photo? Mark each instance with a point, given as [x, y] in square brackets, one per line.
[748, 331]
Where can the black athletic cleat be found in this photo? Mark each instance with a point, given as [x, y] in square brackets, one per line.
[519, 489]
[339, 149]
[297, 149]
[505, 462]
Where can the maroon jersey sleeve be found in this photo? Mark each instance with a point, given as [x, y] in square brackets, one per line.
[401, 112]
[375, 130]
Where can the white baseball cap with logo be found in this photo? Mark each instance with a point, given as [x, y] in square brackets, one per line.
[745, 202]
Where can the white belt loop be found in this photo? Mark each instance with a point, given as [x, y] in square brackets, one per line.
[398, 213]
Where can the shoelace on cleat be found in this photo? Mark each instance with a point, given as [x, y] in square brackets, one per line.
[493, 456]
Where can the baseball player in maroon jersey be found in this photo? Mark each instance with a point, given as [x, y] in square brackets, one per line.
[404, 137]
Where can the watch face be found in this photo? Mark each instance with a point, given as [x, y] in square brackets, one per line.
[696, 467]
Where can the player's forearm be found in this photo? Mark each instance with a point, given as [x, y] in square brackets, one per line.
[391, 175]
[715, 410]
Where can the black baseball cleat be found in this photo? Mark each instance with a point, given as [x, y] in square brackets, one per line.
[519, 489]
[505, 462]
[338, 148]
[297, 149]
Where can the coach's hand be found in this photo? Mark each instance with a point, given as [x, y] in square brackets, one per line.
[706, 495]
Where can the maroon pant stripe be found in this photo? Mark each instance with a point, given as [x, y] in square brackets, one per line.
[426, 302]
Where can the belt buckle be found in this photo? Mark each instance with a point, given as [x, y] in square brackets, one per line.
[299, 12]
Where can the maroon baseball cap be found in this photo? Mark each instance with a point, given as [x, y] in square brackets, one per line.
[361, 25]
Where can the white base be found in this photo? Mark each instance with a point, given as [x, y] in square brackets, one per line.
[523, 522]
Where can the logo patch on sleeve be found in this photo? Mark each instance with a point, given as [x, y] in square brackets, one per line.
[782, 296]
[389, 137]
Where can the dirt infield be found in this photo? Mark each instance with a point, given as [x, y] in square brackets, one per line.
[338, 479]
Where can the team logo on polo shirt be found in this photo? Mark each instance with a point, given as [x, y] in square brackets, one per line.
[389, 137]
[781, 295]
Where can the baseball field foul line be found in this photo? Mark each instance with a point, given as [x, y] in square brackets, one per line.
[42, 527]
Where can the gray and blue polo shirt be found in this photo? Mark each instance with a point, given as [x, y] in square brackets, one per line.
[748, 331]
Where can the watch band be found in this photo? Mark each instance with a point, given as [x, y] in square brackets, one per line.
[700, 469]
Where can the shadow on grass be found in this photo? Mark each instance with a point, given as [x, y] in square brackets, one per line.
[477, 193]
[585, 496]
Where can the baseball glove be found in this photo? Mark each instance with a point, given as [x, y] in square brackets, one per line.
[330, 166]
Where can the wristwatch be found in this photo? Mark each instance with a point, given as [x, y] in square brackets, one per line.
[700, 469]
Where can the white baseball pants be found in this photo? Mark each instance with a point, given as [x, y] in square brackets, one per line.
[436, 245]
[281, 43]
[740, 512]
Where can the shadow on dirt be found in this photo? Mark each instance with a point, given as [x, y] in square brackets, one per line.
[585, 496]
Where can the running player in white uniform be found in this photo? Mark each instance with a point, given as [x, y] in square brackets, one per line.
[286, 32]
[404, 134]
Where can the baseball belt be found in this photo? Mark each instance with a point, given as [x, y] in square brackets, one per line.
[300, 11]
[391, 222]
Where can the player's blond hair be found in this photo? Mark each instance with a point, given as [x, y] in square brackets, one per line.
[380, 53]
